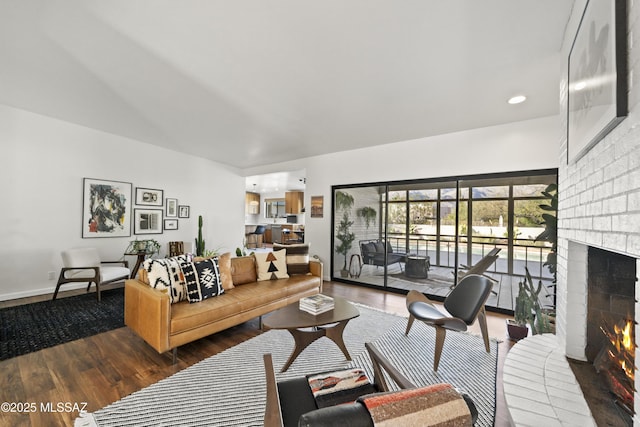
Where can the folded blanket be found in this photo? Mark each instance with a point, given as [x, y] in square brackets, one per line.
[336, 387]
[435, 405]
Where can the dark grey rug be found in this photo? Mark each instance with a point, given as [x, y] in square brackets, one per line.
[228, 389]
[32, 327]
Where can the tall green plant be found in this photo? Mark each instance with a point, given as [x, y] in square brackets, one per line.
[344, 203]
[550, 232]
[199, 239]
[345, 236]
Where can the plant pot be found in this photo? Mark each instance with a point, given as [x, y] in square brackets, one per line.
[516, 332]
[344, 273]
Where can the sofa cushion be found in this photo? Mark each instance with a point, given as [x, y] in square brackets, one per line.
[272, 265]
[379, 247]
[187, 317]
[297, 257]
[202, 279]
[224, 264]
[165, 275]
[243, 270]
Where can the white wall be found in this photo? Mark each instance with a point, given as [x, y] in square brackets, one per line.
[42, 165]
[526, 145]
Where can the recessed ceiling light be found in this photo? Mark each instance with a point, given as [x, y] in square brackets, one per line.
[518, 99]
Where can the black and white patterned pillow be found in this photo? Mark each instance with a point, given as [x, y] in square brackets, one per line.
[165, 274]
[202, 279]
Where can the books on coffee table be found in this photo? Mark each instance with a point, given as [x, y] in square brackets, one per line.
[316, 304]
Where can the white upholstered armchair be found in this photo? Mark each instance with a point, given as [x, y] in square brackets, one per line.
[84, 265]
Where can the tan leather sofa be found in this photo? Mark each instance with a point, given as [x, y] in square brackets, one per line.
[165, 326]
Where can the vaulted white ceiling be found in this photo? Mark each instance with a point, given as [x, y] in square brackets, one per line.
[254, 82]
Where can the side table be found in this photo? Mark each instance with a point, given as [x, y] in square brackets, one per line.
[141, 257]
[417, 267]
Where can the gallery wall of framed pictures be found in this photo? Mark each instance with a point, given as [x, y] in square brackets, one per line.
[110, 207]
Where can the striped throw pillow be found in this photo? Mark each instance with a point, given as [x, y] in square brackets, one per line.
[441, 404]
[297, 257]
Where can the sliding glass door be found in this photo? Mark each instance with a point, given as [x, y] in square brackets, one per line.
[423, 234]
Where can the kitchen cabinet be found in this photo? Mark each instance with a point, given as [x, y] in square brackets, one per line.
[252, 203]
[294, 202]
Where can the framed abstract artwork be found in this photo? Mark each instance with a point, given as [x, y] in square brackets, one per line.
[149, 197]
[147, 221]
[597, 80]
[171, 208]
[106, 208]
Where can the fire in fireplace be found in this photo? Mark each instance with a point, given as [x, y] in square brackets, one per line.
[611, 322]
[616, 362]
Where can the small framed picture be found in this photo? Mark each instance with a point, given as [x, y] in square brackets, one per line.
[147, 221]
[183, 211]
[149, 197]
[171, 208]
[170, 224]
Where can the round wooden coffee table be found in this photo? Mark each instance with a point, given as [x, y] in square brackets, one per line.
[306, 328]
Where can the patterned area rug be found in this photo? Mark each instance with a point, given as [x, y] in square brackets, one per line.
[228, 389]
[33, 327]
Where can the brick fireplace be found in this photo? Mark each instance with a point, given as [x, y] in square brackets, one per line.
[599, 206]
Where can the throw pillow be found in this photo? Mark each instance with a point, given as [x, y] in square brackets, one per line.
[297, 257]
[272, 265]
[224, 264]
[338, 387]
[203, 279]
[165, 275]
[243, 270]
[441, 404]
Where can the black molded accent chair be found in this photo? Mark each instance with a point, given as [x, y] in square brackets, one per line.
[462, 306]
[291, 402]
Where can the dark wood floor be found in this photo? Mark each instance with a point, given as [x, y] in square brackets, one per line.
[46, 387]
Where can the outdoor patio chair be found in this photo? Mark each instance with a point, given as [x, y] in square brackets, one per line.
[380, 254]
[462, 306]
[292, 402]
[480, 267]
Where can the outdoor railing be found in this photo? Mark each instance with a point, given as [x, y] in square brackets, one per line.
[526, 252]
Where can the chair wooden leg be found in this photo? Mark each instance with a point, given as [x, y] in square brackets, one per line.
[409, 324]
[98, 291]
[441, 333]
[482, 319]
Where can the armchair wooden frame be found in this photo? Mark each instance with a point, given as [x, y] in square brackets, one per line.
[273, 410]
[62, 279]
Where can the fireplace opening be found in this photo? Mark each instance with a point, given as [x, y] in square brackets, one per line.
[611, 323]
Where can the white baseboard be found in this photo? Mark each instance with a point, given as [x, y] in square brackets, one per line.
[42, 291]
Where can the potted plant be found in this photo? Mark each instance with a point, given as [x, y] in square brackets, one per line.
[346, 238]
[368, 215]
[528, 311]
[344, 203]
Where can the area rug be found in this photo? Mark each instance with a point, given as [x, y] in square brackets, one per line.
[33, 327]
[228, 389]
